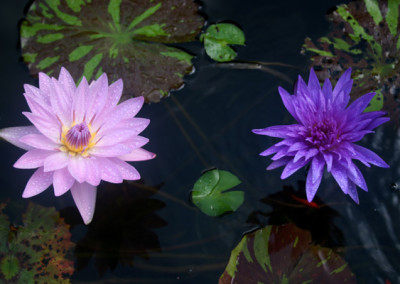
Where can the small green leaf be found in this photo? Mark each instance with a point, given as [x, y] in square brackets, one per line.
[392, 16]
[216, 40]
[9, 266]
[373, 10]
[209, 193]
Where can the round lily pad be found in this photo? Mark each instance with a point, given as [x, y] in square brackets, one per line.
[217, 39]
[210, 193]
[124, 38]
[284, 254]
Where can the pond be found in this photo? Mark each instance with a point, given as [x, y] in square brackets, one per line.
[149, 231]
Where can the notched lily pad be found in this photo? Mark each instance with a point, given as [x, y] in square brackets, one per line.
[217, 39]
[123, 38]
[38, 251]
[284, 254]
[210, 196]
[366, 37]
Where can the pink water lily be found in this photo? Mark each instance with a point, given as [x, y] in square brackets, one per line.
[80, 136]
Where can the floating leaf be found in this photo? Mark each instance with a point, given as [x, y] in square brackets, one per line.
[120, 37]
[38, 251]
[284, 254]
[216, 40]
[209, 193]
[365, 37]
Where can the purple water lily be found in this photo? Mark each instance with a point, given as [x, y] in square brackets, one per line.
[80, 136]
[325, 134]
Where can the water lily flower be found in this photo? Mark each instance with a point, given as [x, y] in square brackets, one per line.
[80, 136]
[324, 134]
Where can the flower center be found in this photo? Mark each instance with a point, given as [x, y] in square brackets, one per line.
[77, 139]
[323, 135]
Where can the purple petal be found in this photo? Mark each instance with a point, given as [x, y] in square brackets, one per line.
[327, 89]
[32, 159]
[39, 141]
[77, 168]
[343, 83]
[281, 153]
[313, 84]
[138, 154]
[297, 146]
[62, 181]
[271, 150]
[110, 151]
[14, 134]
[287, 100]
[376, 122]
[127, 171]
[56, 161]
[280, 131]
[328, 159]
[356, 176]
[359, 105]
[38, 183]
[84, 196]
[314, 177]
[109, 171]
[340, 175]
[292, 167]
[366, 156]
[279, 163]
[353, 192]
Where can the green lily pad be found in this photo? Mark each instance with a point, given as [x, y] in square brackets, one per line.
[124, 38]
[210, 196]
[365, 36]
[284, 254]
[35, 252]
[217, 39]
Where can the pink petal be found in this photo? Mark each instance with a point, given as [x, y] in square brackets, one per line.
[137, 124]
[136, 142]
[38, 183]
[115, 136]
[79, 100]
[39, 141]
[61, 102]
[98, 91]
[110, 151]
[45, 86]
[39, 107]
[127, 171]
[56, 161]
[138, 154]
[34, 92]
[125, 110]
[93, 174]
[84, 196]
[62, 181]
[46, 127]
[109, 171]
[77, 168]
[13, 134]
[115, 92]
[32, 159]
[67, 82]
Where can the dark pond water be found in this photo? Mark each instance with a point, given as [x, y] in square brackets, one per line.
[208, 124]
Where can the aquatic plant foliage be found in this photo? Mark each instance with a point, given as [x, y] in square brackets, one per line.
[217, 39]
[80, 136]
[365, 37]
[123, 38]
[37, 251]
[284, 254]
[324, 134]
[210, 194]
